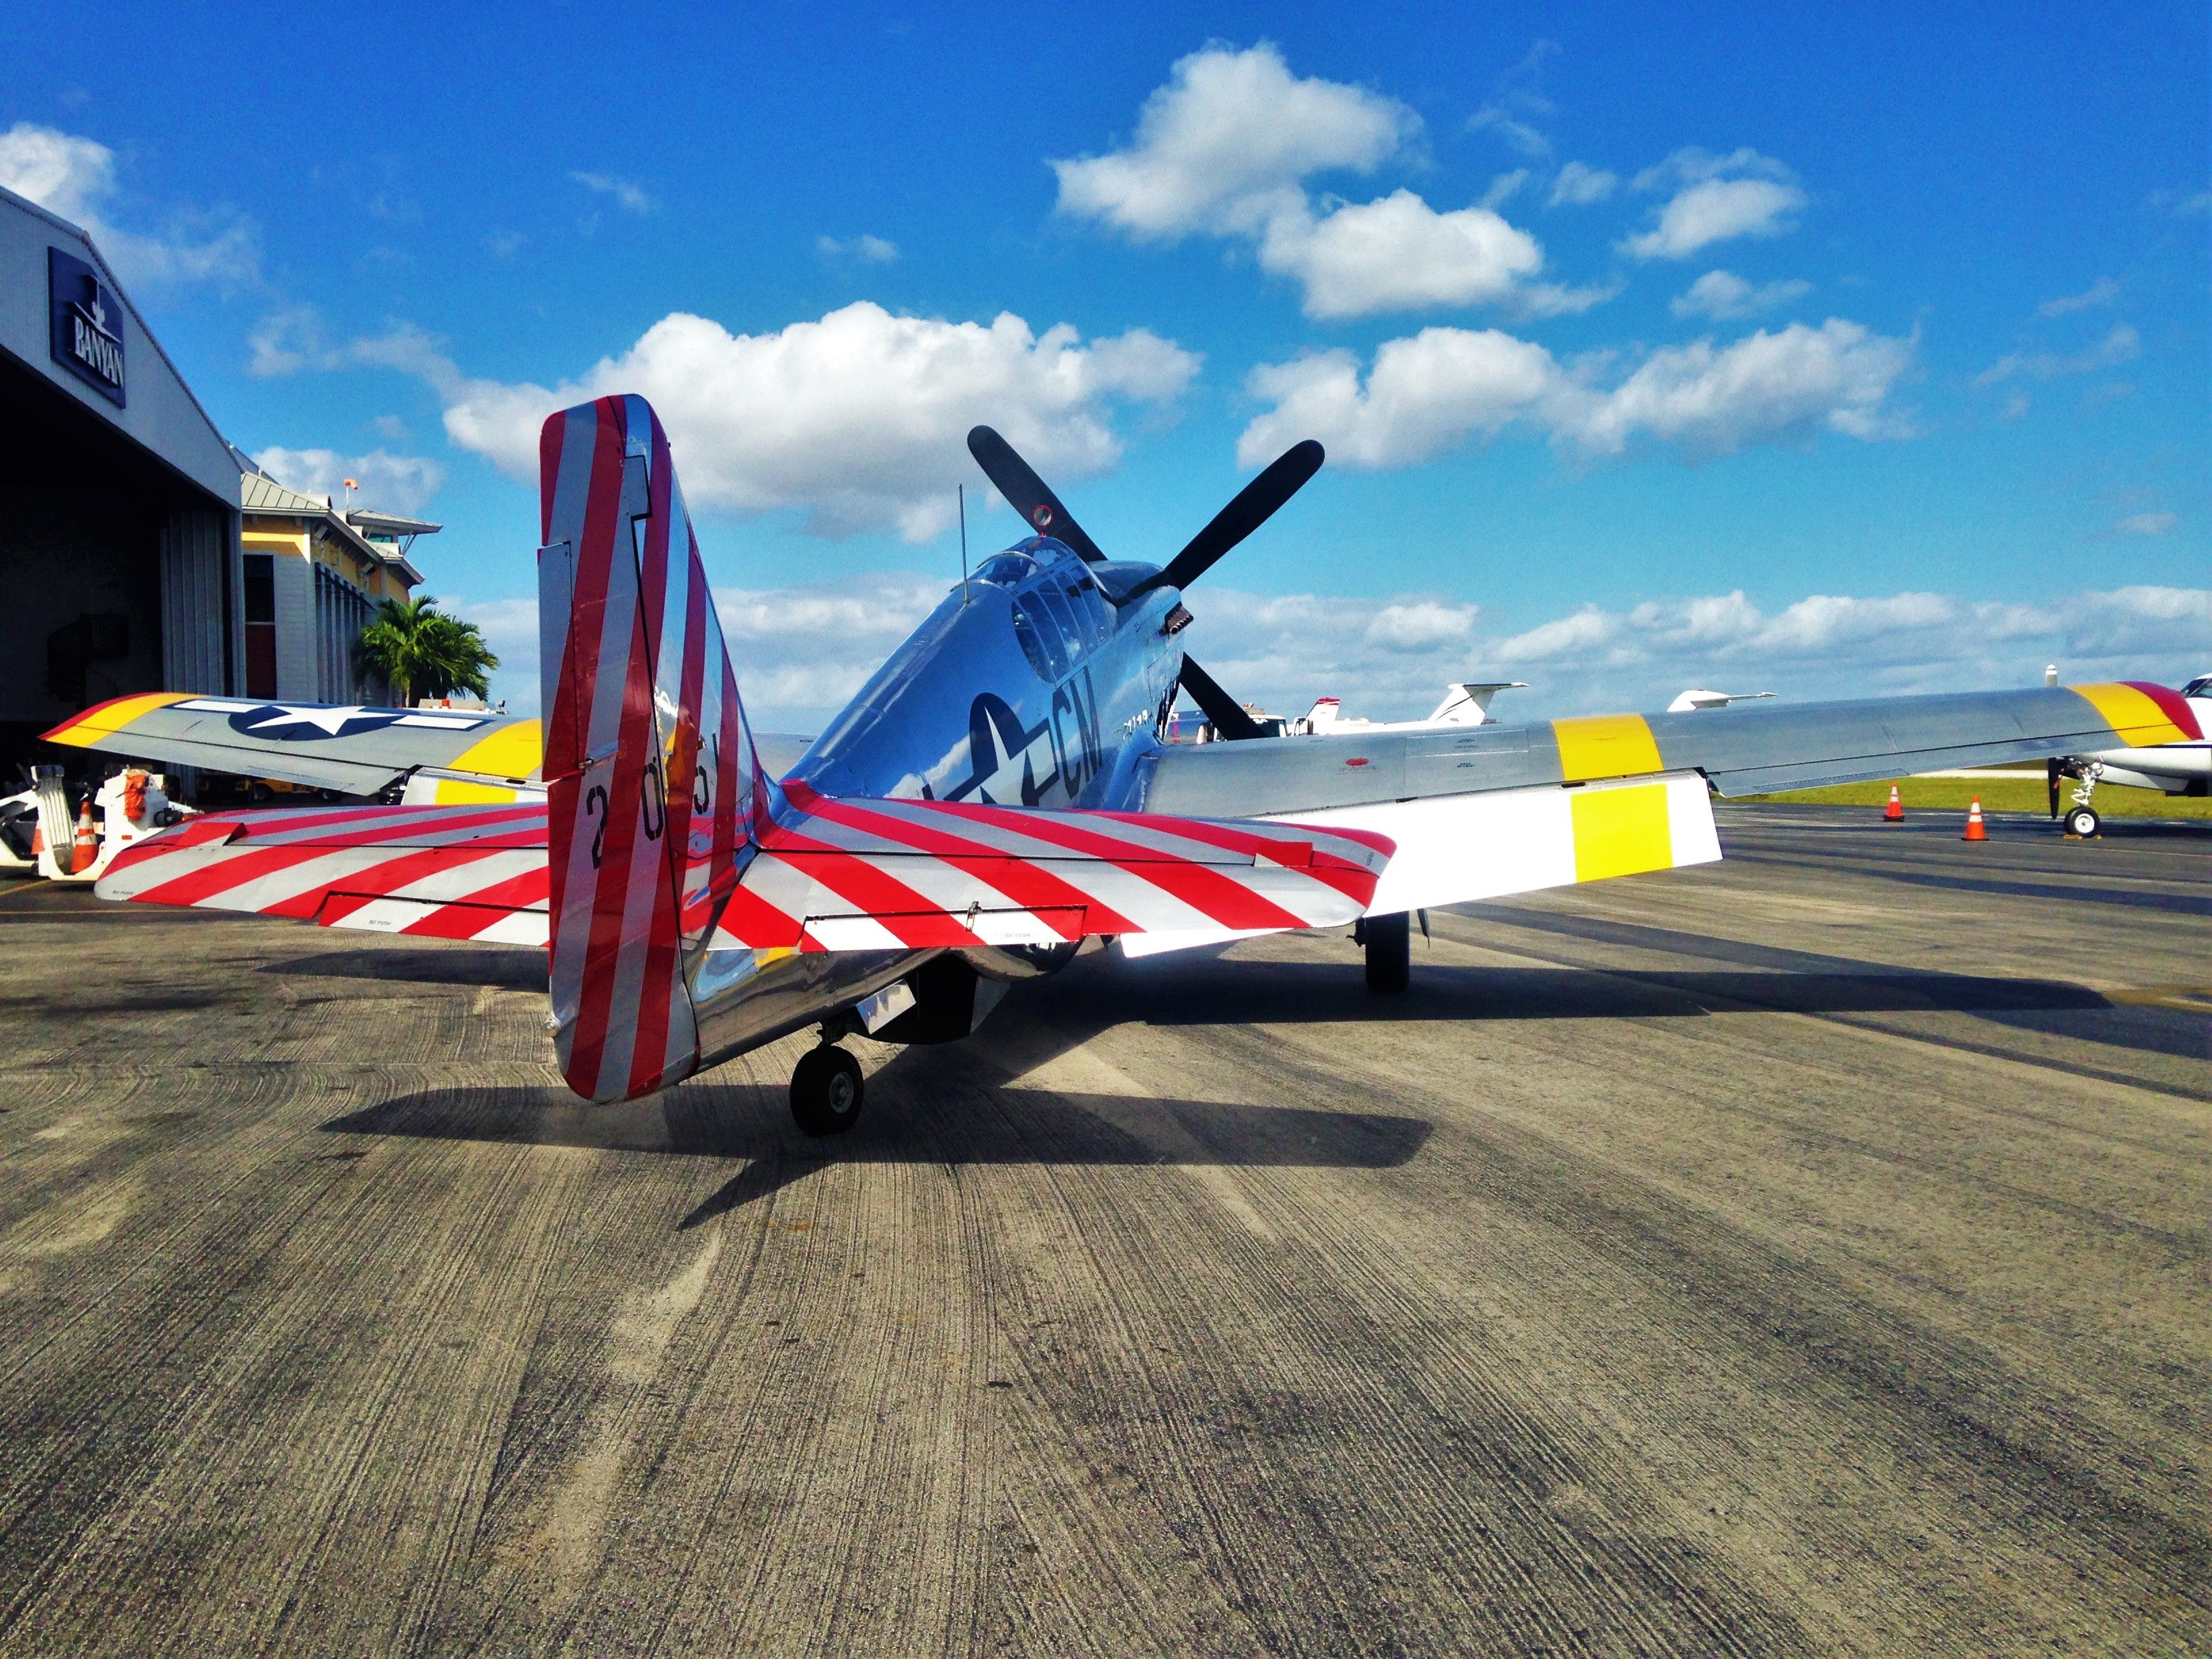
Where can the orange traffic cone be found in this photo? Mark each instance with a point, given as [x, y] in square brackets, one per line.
[87, 839]
[1894, 813]
[1974, 830]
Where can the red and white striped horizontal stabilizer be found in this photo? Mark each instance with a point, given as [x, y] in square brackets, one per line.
[875, 875]
[830, 875]
[470, 872]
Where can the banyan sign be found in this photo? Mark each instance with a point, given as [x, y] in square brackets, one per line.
[87, 324]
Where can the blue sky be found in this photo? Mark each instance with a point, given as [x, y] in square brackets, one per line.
[1856, 351]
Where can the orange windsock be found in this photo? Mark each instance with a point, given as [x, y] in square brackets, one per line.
[87, 839]
[1974, 830]
[1894, 813]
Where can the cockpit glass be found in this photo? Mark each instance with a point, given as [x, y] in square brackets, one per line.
[1091, 610]
[1056, 606]
[2199, 687]
[1006, 569]
[1039, 640]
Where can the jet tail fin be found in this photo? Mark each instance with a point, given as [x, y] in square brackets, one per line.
[653, 785]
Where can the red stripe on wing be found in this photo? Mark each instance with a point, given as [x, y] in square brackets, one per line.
[1211, 891]
[1023, 883]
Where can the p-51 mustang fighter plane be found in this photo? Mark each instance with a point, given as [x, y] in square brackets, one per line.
[995, 795]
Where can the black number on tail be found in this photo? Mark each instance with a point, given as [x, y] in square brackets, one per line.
[652, 796]
[706, 759]
[595, 805]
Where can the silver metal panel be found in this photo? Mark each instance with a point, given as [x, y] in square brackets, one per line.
[197, 545]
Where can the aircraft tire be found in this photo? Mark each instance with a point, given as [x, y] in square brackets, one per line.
[826, 1092]
[1390, 945]
[2082, 821]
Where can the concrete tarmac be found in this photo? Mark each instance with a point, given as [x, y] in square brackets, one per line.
[1802, 1255]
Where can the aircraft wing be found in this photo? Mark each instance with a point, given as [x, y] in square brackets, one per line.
[1486, 810]
[325, 746]
[1744, 749]
[827, 875]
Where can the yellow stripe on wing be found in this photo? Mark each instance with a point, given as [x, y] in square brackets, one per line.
[2136, 719]
[451, 792]
[1606, 747]
[1621, 832]
[512, 751]
[107, 719]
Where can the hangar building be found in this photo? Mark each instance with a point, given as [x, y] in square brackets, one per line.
[139, 551]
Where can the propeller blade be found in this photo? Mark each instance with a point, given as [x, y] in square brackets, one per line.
[1030, 495]
[1254, 506]
[1228, 715]
[2050, 774]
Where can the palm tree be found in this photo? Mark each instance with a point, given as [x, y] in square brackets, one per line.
[420, 650]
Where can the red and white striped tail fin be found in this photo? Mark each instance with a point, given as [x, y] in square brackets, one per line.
[651, 781]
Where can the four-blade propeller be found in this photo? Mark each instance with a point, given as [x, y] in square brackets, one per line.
[1252, 507]
[1029, 495]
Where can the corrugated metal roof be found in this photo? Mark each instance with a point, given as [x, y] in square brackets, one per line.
[259, 493]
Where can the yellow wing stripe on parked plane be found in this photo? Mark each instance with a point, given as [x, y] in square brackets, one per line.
[111, 717]
[1606, 747]
[451, 792]
[2136, 719]
[1621, 832]
[512, 751]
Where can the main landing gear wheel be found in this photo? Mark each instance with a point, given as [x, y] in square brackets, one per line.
[826, 1092]
[2082, 821]
[1390, 944]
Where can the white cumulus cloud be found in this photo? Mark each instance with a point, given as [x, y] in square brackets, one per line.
[1228, 139]
[1716, 199]
[396, 483]
[1580, 185]
[1225, 148]
[1723, 294]
[61, 172]
[75, 177]
[856, 420]
[1430, 392]
[1715, 400]
[1398, 254]
[2148, 524]
[1425, 395]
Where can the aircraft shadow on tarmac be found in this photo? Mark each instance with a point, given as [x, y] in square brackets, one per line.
[969, 1103]
[1200, 987]
[925, 1107]
[1228, 992]
[453, 964]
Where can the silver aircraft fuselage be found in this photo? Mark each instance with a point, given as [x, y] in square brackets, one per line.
[1027, 686]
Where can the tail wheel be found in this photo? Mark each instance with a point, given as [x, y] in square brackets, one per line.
[2082, 821]
[1390, 945]
[826, 1092]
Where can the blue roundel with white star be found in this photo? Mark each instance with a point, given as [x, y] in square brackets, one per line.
[311, 722]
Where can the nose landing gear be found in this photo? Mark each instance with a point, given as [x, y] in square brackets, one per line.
[826, 1091]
